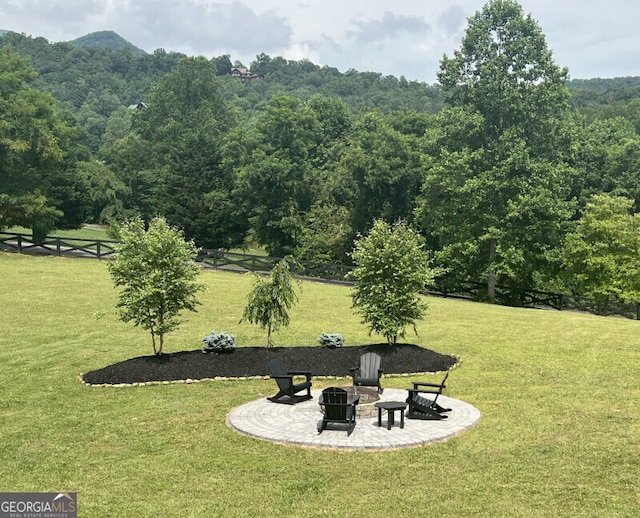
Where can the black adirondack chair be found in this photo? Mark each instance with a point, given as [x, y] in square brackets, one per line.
[338, 410]
[425, 408]
[368, 374]
[288, 389]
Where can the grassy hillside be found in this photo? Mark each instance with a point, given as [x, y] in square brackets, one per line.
[558, 393]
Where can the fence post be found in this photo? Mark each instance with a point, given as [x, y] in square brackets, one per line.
[98, 248]
[58, 248]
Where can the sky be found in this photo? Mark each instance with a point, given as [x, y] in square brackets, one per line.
[593, 38]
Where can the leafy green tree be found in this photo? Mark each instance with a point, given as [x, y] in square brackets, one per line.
[38, 152]
[118, 127]
[382, 167]
[271, 298]
[38, 215]
[107, 192]
[29, 210]
[137, 172]
[608, 160]
[173, 160]
[223, 65]
[9, 212]
[326, 234]
[333, 115]
[495, 197]
[156, 270]
[275, 181]
[392, 267]
[601, 256]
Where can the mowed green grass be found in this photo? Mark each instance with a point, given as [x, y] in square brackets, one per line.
[559, 394]
[89, 232]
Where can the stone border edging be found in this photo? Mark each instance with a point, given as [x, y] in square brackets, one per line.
[190, 381]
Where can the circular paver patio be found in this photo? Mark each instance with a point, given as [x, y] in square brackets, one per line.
[298, 424]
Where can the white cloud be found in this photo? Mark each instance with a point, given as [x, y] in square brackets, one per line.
[453, 20]
[389, 27]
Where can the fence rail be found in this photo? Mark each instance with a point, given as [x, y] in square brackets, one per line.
[253, 263]
[51, 245]
[508, 296]
[241, 262]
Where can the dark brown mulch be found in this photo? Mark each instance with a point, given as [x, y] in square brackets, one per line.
[253, 361]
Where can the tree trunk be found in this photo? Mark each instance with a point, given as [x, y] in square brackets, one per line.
[38, 236]
[161, 326]
[153, 342]
[491, 281]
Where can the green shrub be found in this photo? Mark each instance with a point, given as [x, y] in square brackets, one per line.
[218, 343]
[331, 340]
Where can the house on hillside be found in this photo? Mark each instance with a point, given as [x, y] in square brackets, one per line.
[138, 106]
[243, 74]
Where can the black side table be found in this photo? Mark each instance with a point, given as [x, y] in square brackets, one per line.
[391, 407]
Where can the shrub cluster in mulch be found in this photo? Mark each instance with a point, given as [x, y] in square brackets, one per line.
[253, 361]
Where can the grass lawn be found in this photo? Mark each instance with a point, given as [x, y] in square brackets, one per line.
[559, 394]
[91, 232]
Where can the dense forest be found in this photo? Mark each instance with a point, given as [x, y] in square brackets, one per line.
[513, 173]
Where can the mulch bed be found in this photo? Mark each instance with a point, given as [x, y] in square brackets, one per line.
[253, 361]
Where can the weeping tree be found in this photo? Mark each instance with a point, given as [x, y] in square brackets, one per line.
[271, 298]
[157, 272]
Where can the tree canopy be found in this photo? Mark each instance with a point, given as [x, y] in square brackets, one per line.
[156, 271]
[392, 268]
[38, 155]
[496, 192]
[602, 255]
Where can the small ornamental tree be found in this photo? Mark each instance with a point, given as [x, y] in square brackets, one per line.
[157, 272]
[391, 269]
[271, 298]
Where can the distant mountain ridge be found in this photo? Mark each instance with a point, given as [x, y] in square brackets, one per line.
[101, 39]
[113, 41]
[106, 40]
